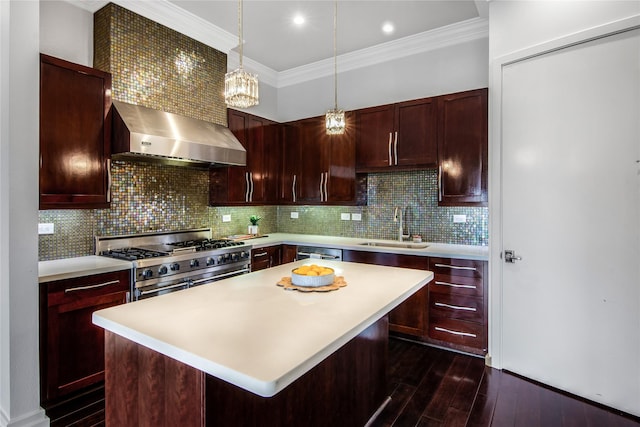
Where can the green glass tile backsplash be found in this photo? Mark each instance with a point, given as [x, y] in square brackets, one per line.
[150, 197]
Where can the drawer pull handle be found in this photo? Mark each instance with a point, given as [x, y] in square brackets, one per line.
[449, 331]
[455, 307]
[455, 285]
[260, 254]
[84, 288]
[456, 267]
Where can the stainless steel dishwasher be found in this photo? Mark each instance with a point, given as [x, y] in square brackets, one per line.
[313, 252]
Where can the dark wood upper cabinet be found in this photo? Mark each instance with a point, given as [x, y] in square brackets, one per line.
[463, 148]
[317, 168]
[75, 135]
[257, 182]
[397, 136]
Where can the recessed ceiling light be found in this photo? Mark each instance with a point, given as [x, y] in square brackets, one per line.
[387, 28]
[298, 19]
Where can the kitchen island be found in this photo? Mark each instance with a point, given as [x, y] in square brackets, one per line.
[244, 351]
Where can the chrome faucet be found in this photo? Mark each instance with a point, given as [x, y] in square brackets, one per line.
[397, 217]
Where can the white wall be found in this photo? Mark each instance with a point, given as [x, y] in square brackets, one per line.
[446, 70]
[19, 74]
[66, 32]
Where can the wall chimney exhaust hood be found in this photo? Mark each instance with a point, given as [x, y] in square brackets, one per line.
[144, 134]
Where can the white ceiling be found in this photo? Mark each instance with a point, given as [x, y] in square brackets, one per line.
[274, 42]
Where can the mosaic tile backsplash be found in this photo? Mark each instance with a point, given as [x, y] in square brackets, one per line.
[150, 197]
[415, 193]
[157, 67]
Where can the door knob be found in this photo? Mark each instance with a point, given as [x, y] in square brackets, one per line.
[510, 256]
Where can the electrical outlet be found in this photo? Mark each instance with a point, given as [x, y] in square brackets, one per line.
[294, 215]
[356, 217]
[45, 228]
[226, 218]
[459, 218]
[345, 216]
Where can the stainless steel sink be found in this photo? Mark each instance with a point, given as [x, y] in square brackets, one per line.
[396, 245]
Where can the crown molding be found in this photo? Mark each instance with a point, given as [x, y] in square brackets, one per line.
[472, 29]
[172, 16]
[265, 74]
[176, 18]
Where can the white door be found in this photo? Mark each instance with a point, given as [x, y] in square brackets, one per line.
[571, 210]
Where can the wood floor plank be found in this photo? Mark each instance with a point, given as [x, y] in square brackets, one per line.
[426, 390]
[528, 406]
[439, 405]
[399, 399]
[469, 384]
[506, 401]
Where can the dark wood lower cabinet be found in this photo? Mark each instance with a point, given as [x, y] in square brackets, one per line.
[410, 316]
[145, 388]
[289, 253]
[71, 346]
[451, 311]
[265, 257]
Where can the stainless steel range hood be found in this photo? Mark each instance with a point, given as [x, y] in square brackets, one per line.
[140, 133]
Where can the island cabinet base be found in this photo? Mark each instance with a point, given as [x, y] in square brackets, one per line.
[146, 388]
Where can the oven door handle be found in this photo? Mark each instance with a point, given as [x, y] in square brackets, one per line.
[153, 291]
[220, 276]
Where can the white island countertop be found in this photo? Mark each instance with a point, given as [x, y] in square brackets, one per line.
[251, 333]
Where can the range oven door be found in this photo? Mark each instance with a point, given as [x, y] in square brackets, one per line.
[154, 288]
[214, 276]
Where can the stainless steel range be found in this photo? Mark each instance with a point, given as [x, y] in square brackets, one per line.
[171, 261]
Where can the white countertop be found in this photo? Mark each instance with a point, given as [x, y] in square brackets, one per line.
[68, 268]
[433, 249]
[249, 332]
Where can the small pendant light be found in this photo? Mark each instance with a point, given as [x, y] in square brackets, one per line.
[334, 119]
[240, 87]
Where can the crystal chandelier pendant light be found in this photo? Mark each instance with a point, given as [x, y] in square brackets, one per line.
[240, 87]
[334, 119]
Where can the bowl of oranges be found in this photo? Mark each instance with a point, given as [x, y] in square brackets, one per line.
[312, 275]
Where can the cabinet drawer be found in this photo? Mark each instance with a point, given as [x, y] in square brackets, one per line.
[70, 290]
[447, 267]
[458, 332]
[456, 307]
[457, 285]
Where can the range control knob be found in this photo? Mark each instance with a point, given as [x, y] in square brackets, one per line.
[147, 273]
[162, 269]
[195, 263]
[244, 254]
[220, 259]
[175, 266]
[235, 257]
[210, 261]
[226, 257]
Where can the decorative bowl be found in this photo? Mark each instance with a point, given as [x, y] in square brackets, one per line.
[313, 281]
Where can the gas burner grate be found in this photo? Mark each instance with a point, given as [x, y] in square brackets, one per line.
[132, 254]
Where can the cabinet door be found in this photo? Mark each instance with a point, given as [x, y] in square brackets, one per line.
[415, 139]
[256, 159]
[313, 164]
[72, 347]
[291, 155]
[289, 253]
[341, 185]
[410, 317]
[374, 138]
[75, 135]
[462, 148]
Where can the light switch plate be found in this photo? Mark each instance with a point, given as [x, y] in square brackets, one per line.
[45, 228]
[294, 215]
[345, 216]
[226, 218]
[459, 218]
[356, 217]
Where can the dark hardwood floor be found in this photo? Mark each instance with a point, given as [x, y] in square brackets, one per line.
[433, 387]
[430, 387]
